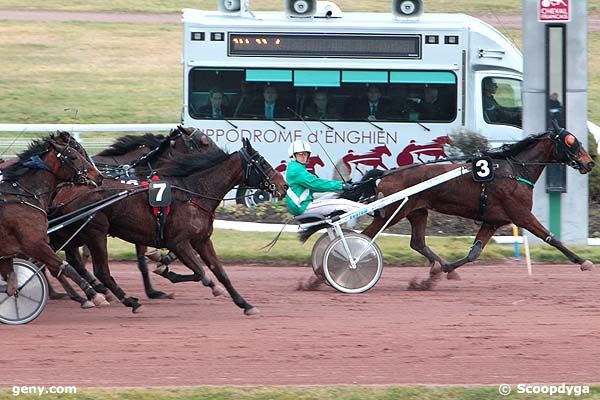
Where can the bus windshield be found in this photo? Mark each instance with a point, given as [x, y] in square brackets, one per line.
[322, 94]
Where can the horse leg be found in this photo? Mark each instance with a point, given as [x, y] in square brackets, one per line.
[75, 258]
[207, 252]
[486, 231]
[531, 223]
[418, 223]
[99, 254]
[143, 267]
[42, 252]
[52, 293]
[8, 274]
[190, 258]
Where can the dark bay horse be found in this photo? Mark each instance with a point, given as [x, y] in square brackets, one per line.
[199, 184]
[25, 194]
[507, 198]
[179, 142]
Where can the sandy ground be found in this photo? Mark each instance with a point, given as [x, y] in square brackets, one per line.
[496, 325]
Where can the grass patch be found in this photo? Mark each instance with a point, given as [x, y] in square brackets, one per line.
[302, 393]
[156, 6]
[396, 250]
[119, 73]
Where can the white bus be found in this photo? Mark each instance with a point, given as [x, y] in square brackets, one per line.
[394, 87]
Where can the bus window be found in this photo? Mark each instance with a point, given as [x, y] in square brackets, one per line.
[334, 95]
[501, 101]
[204, 83]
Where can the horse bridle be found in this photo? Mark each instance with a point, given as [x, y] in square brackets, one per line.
[565, 153]
[254, 173]
[81, 173]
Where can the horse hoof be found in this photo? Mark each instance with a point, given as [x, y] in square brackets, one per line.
[111, 298]
[160, 269]
[453, 276]
[137, 308]
[587, 266]
[157, 294]
[12, 284]
[153, 255]
[251, 311]
[436, 269]
[87, 304]
[100, 300]
[218, 290]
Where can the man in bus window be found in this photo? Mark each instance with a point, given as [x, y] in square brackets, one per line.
[373, 107]
[430, 108]
[320, 108]
[215, 109]
[269, 107]
[493, 112]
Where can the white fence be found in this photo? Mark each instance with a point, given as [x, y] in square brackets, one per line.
[10, 146]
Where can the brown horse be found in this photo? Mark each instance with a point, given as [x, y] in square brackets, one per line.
[199, 184]
[179, 142]
[25, 193]
[507, 198]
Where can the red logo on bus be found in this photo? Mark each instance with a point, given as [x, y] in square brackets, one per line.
[554, 10]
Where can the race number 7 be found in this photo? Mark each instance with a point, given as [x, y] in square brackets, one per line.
[161, 189]
[160, 194]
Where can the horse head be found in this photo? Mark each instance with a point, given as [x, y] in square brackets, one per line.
[569, 150]
[259, 173]
[193, 139]
[69, 161]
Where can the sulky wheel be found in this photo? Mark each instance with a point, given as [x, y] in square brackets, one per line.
[30, 299]
[319, 249]
[342, 274]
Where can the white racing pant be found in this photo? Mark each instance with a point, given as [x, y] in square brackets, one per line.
[325, 206]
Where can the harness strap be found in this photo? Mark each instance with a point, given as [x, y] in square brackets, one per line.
[200, 206]
[483, 198]
[527, 181]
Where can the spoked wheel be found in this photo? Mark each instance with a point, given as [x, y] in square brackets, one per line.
[250, 197]
[347, 274]
[30, 299]
[318, 251]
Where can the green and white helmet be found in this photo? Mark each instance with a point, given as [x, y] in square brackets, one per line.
[298, 146]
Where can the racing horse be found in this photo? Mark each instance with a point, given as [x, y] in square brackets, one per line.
[157, 149]
[25, 194]
[508, 198]
[198, 186]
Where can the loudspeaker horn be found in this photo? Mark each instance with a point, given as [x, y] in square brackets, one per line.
[407, 8]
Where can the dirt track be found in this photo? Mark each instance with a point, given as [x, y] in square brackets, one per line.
[494, 326]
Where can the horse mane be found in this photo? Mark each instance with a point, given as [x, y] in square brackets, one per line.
[36, 147]
[513, 149]
[125, 144]
[190, 163]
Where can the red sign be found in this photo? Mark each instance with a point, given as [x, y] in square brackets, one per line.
[554, 11]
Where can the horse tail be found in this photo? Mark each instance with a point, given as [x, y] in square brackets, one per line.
[306, 234]
[342, 171]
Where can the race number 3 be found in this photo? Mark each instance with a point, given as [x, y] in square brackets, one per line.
[483, 169]
[159, 194]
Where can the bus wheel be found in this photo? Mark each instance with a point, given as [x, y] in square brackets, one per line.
[251, 197]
